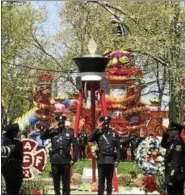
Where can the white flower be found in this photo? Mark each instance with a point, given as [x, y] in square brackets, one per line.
[150, 155]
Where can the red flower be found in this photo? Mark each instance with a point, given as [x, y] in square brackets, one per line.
[149, 183]
[36, 192]
[162, 192]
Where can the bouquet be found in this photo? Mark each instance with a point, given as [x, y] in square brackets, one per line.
[149, 183]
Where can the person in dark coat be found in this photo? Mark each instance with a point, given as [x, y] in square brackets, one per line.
[108, 153]
[60, 158]
[135, 140]
[174, 159]
[82, 140]
[12, 159]
[123, 148]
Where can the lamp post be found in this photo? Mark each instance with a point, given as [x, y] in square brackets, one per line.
[91, 68]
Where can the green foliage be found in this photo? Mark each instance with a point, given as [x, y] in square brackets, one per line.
[129, 167]
[18, 26]
[160, 180]
[127, 182]
[29, 185]
[47, 170]
[156, 36]
[85, 187]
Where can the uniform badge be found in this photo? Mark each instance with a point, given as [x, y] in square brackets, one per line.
[178, 148]
[171, 147]
[172, 172]
[67, 134]
[114, 135]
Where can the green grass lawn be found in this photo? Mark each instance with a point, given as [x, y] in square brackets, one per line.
[124, 167]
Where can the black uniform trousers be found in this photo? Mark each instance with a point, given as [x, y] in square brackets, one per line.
[59, 170]
[13, 175]
[123, 154]
[176, 188]
[105, 171]
[132, 153]
[82, 154]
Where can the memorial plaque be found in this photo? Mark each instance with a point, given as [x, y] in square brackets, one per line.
[87, 175]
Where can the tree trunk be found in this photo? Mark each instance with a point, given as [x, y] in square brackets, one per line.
[175, 80]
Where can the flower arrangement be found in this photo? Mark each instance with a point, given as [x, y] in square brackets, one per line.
[149, 183]
[120, 58]
[29, 187]
[44, 76]
[150, 156]
[155, 101]
[91, 150]
[61, 97]
[135, 110]
[36, 192]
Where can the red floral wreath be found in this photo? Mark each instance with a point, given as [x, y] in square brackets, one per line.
[33, 159]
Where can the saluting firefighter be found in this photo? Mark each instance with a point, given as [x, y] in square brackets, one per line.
[60, 158]
[82, 139]
[174, 159]
[108, 153]
[12, 159]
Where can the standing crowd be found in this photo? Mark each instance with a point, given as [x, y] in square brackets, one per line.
[111, 149]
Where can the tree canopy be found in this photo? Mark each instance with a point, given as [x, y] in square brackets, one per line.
[156, 36]
[154, 31]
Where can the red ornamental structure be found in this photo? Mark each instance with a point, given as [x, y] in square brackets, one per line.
[123, 101]
[129, 113]
[42, 96]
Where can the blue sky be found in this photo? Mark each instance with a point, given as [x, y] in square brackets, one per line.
[53, 22]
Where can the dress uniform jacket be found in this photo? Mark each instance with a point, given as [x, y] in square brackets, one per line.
[175, 160]
[82, 137]
[11, 165]
[61, 140]
[123, 143]
[108, 146]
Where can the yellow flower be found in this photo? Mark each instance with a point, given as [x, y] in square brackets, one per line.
[114, 61]
[124, 59]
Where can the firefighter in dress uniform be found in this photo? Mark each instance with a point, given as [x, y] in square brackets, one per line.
[135, 140]
[174, 159]
[82, 139]
[12, 159]
[124, 142]
[60, 158]
[108, 153]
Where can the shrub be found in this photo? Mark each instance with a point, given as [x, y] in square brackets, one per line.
[76, 179]
[28, 186]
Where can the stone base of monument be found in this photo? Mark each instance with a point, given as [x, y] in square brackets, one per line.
[87, 175]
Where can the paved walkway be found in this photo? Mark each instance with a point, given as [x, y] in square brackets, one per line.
[74, 190]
